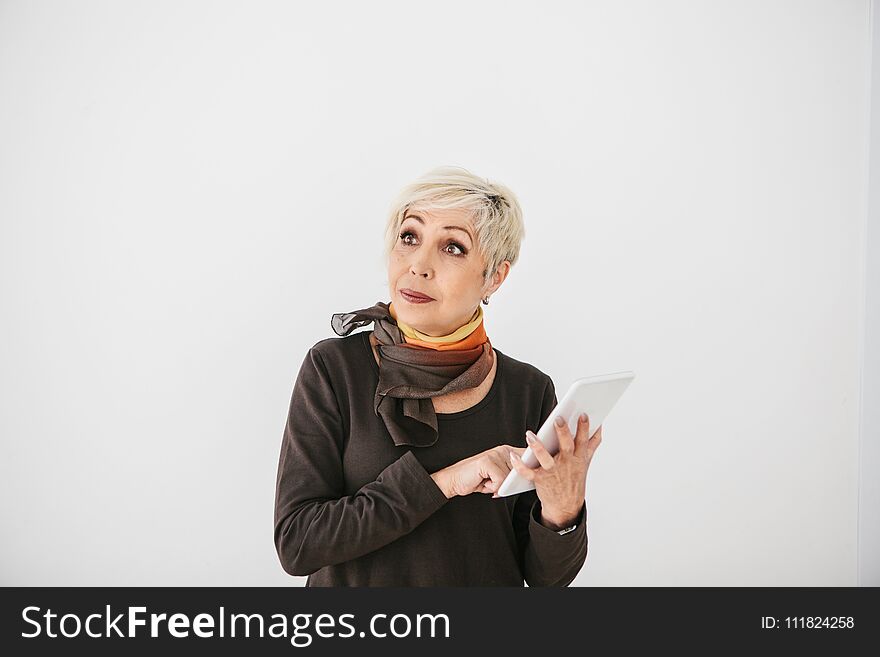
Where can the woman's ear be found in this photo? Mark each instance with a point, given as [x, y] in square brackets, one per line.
[497, 278]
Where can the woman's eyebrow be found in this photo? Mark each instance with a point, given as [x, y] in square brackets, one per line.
[422, 221]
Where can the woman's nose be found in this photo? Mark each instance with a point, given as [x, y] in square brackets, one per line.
[420, 265]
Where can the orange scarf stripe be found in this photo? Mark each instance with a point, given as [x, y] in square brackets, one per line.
[475, 339]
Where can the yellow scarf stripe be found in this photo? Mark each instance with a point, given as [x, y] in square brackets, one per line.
[458, 334]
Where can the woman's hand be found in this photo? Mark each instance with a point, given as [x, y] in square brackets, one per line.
[480, 473]
[561, 480]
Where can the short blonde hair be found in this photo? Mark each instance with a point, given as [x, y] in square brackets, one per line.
[495, 212]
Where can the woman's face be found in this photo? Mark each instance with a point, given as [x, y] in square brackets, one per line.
[436, 254]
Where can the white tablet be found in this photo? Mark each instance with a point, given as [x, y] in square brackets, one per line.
[593, 395]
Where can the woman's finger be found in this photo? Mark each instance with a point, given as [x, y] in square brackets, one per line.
[563, 434]
[596, 440]
[496, 472]
[504, 458]
[524, 470]
[581, 440]
[593, 443]
[544, 457]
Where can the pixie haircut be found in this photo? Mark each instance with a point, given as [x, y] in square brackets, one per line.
[494, 211]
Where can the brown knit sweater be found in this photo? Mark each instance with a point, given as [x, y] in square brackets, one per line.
[353, 509]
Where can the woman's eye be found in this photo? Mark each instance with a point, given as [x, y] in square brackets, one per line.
[461, 250]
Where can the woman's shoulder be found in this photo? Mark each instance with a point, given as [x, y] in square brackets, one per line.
[344, 347]
[528, 387]
[520, 370]
[342, 353]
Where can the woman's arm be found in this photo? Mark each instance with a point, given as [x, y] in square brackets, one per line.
[316, 524]
[549, 559]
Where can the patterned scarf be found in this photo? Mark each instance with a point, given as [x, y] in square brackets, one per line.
[414, 367]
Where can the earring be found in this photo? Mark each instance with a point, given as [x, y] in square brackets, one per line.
[486, 301]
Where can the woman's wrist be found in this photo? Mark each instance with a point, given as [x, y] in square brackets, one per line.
[441, 478]
[558, 519]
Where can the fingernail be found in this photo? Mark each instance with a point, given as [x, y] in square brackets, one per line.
[559, 421]
[529, 438]
[583, 417]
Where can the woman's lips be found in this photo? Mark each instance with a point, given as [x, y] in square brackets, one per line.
[412, 298]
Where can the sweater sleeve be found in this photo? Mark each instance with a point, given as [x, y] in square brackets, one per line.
[549, 559]
[316, 523]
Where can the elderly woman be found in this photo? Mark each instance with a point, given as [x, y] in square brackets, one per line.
[398, 438]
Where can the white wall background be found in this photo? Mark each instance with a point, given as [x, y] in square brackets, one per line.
[869, 444]
[189, 190]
